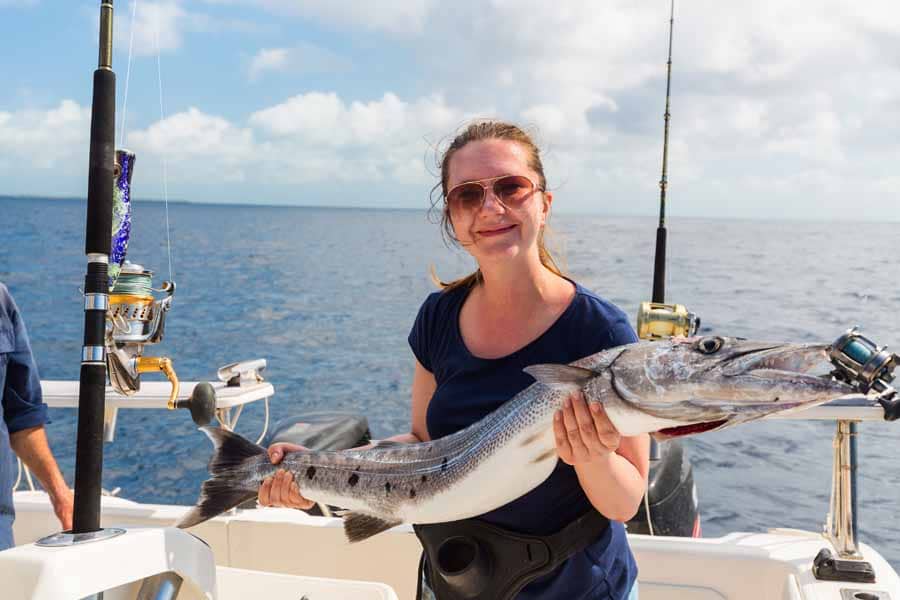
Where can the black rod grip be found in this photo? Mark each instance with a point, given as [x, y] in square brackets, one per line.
[89, 449]
[101, 164]
[659, 267]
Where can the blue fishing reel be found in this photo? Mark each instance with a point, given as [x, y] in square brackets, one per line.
[861, 363]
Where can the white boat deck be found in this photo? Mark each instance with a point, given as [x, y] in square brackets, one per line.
[292, 555]
[740, 566]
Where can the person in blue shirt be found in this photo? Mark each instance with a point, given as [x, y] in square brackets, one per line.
[22, 418]
[472, 339]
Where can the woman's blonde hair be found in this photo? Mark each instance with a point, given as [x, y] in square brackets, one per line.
[474, 132]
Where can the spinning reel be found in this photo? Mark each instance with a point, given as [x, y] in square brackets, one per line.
[135, 319]
[861, 363]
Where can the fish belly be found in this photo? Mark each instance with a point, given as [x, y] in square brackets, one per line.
[515, 469]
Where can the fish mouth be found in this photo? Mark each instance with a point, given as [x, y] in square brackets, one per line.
[669, 433]
[799, 359]
[760, 375]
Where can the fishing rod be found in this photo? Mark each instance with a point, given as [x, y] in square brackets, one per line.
[656, 319]
[92, 379]
[659, 262]
[120, 314]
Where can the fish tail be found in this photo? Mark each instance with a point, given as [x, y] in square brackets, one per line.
[225, 489]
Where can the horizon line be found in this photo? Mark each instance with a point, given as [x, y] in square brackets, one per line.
[653, 215]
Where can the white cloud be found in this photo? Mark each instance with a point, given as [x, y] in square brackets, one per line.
[765, 95]
[193, 134]
[268, 59]
[302, 58]
[163, 25]
[325, 119]
[156, 25]
[44, 139]
[314, 137]
[405, 17]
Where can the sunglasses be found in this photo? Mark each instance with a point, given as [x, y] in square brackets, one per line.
[510, 190]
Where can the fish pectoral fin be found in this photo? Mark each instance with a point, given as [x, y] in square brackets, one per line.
[566, 375]
[360, 526]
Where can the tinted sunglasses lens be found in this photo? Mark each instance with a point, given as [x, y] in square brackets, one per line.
[513, 190]
[467, 196]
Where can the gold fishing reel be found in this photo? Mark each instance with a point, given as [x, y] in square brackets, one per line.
[136, 318]
[657, 321]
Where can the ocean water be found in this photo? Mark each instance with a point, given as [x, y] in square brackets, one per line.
[327, 296]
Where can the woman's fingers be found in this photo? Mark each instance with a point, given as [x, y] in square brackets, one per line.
[586, 424]
[573, 432]
[607, 433]
[277, 451]
[280, 490]
[296, 499]
[563, 448]
[583, 431]
[265, 492]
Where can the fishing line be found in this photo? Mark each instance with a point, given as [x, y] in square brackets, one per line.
[165, 174]
[127, 75]
[134, 284]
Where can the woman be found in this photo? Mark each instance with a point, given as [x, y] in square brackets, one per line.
[472, 339]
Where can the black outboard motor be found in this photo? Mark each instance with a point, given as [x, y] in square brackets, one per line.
[325, 430]
[671, 494]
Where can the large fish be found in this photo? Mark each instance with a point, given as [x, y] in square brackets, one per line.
[669, 389]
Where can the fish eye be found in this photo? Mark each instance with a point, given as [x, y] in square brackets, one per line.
[710, 345]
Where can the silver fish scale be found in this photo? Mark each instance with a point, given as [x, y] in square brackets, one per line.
[386, 478]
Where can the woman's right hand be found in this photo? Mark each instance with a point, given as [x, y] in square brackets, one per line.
[280, 489]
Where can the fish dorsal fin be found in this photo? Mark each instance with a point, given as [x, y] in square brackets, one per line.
[360, 526]
[567, 375]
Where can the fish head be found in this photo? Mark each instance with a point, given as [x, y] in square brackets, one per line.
[714, 381]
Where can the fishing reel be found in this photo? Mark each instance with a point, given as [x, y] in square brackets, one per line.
[657, 321]
[135, 319]
[861, 363]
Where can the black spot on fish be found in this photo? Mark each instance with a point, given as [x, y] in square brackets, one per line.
[424, 478]
[532, 438]
[444, 464]
[412, 492]
[310, 472]
[354, 479]
[776, 399]
[387, 487]
[544, 456]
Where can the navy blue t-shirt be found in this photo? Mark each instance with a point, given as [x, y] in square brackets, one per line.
[469, 388]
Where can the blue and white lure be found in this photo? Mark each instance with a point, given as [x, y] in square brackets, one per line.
[121, 213]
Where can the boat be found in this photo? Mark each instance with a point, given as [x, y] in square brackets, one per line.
[306, 553]
[121, 549]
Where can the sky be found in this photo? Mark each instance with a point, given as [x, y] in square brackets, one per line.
[779, 109]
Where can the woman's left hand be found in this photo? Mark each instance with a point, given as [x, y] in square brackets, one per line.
[583, 433]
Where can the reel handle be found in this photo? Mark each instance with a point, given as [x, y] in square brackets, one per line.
[202, 404]
[890, 402]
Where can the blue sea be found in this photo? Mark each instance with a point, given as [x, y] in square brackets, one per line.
[327, 297]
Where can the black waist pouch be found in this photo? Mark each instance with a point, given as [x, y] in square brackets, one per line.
[471, 559]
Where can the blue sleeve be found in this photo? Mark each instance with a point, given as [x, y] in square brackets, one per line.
[23, 404]
[621, 332]
[420, 335]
